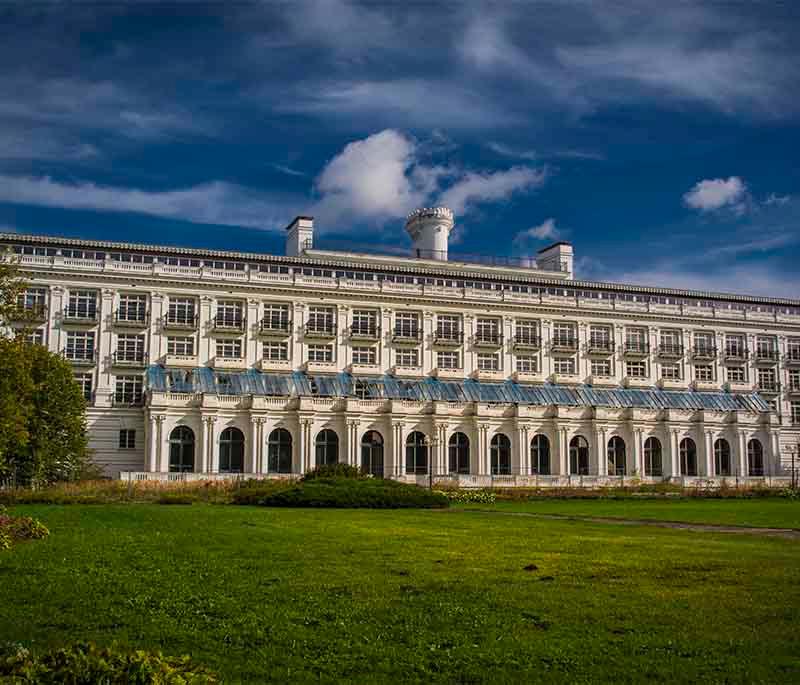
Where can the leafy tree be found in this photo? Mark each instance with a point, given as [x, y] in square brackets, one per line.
[12, 285]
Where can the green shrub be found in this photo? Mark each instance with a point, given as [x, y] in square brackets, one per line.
[88, 664]
[176, 498]
[368, 493]
[14, 529]
[252, 491]
[337, 470]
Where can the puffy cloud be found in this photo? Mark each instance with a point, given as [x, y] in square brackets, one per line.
[544, 231]
[474, 187]
[713, 194]
[777, 200]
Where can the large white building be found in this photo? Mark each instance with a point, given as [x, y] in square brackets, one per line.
[197, 363]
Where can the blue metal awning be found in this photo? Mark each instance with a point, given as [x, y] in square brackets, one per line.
[297, 384]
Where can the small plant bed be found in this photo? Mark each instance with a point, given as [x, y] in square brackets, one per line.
[353, 493]
[16, 529]
[87, 663]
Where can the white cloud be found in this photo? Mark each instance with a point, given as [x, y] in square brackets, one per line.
[288, 170]
[544, 231]
[777, 200]
[508, 151]
[474, 188]
[713, 194]
[212, 203]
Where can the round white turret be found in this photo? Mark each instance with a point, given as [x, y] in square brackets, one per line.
[430, 228]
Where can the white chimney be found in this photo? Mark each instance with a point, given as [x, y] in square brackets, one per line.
[430, 228]
[557, 257]
[299, 236]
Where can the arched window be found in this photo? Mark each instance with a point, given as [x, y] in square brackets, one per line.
[458, 453]
[416, 454]
[279, 451]
[231, 451]
[181, 450]
[578, 456]
[688, 455]
[540, 455]
[326, 447]
[616, 456]
[372, 453]
[652, 457]
[755, 458]
[722, 457]
[500, 449]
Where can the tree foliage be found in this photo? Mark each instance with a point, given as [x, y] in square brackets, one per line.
[42, 410]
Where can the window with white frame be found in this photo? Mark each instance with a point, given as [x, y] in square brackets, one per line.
[635, 339]
[130, 348]
[527, 363]
[488, 361]
[229, 348]
[276, 317]
[735, 345]
[181, 345]
[564, 334]
[365, 356]
[766, 347]
[564, 366]
[82, 304]
[320, 353]
[80, 345]
[601, 367]
[84, 380]
[321, 319]
[35, 336]
[795, 413]
[487, 330]
[793, 349]
[703, 372]
[448, 327]
[276, 351]
[736, 374]
[526, 332]
[407, 358]
[406, 325]
[182, 310]
[448, 360]
[365, 322]
[127, 439]
[32, 299]
[636, 369]
[794, 379]
[128, 390]
[600, 338]
[767, 379]
[670, 341]
[230, 313]
[671, 372]
[132, 307]
[704, 342]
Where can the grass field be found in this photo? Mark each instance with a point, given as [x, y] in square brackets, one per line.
[295, 595]
[763, 512]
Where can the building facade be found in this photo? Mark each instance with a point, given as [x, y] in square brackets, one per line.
[203, 364]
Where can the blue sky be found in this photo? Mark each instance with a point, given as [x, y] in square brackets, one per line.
[663, 142]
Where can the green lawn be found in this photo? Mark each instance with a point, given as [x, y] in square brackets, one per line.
[296, 595]
[770, 512]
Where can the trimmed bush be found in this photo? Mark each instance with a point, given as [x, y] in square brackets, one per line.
[14, 529]
[88, 664]
[337, 470]
[351, 493]
[252, 491]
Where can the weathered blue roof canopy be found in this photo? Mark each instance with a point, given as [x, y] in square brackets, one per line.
[297, 384]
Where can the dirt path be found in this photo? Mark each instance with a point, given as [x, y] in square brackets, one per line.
[789, 533]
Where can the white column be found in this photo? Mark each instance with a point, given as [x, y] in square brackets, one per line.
[205, 348]
[506, 352]
[709, 452]
[675, 457]
[384, 346]
[563, 441]
[774, 467]
[741, 444]
[441, 457]
[298, 321]
[157, 343]
[399, 451]
[468, 353]
[255, 423]
[162, 461]
[523, 452]
[213, 445]
[602, 456]
[152, 457]
[427, 360]
[299, 448]
[251, 351]
[637, 453]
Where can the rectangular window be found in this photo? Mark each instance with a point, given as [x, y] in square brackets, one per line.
[564, 335]
[564, 366]
[276, 317]
[82, 304]
[406, 325]
[736, 374]
[365, 323]
[767, 380]
[794, 379]
[182, 345]
[488, 361]
[526, 332]
[127, 439]
[366, 356]
[320, 353]
[276, 351]
[132, 308]
[321, 320]
[487, 331]
[793, 349]
[703, 372]
[527, 364]
[229, 348]
[448, 327]
[766, 347]
[130, 348]
[182, 311]
[636, 369]
[601, 367]
[407, 358]
[80, 345]
[230, 314]
[636, 340]
[128, 390]
[84, 380]
[671, 342]
[600, 338]
[448, 360]
[795, 410]
[32, 299]
[735, 346]
[671, 372]
[35, 337]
